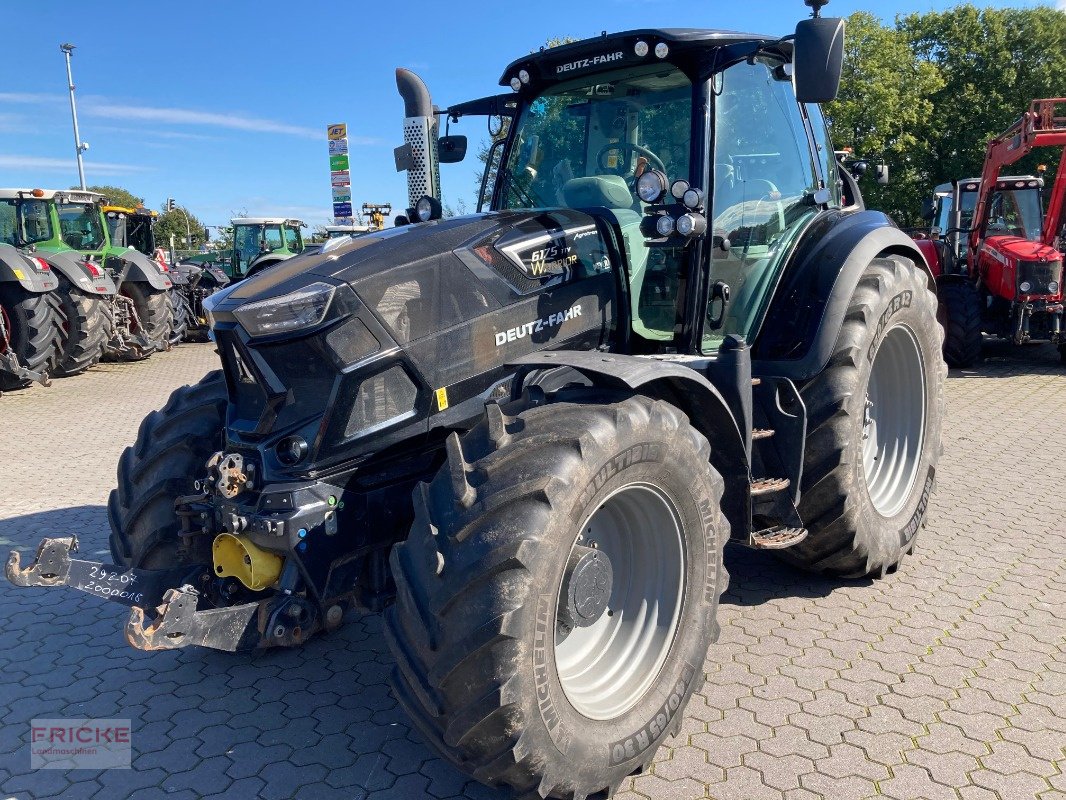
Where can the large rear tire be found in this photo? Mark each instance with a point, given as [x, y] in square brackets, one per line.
[180, 314]
[874, 419]
[33, 332]
[959, 312]
[172, 448]
[492, 665]
[153, 308]
[85, 329]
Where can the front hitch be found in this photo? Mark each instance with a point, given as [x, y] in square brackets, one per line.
[164, 605]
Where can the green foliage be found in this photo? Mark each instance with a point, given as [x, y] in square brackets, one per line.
[926, 93]
[116, 195]
[173, 223]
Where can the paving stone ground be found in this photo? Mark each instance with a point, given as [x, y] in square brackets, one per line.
[946, 679]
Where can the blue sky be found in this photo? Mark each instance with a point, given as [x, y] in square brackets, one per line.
[223, 105]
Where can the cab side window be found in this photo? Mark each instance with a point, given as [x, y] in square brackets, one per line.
[764, 174]
[826, 156]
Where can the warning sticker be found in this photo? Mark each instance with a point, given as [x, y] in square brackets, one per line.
[442, 398]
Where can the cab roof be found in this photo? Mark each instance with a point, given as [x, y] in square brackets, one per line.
[73, 195]
[292, 223]
[617, 50]
[141, 211]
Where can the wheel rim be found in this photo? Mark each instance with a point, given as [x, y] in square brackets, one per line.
[894, 421]
[606, 667]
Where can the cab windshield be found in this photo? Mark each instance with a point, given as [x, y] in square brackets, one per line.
[581, 143]
[24, 221]
[247, 244]
[80, 226]
[1014, 212]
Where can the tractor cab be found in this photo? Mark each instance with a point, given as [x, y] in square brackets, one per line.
[343, 231]
[132, 227]
[259, 242]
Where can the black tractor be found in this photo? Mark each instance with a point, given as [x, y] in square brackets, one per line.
[527, 434]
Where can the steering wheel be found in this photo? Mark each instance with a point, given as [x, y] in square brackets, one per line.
[627, 149]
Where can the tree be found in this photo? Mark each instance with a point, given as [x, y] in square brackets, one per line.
[884, 101]
[116, 195]
[173, 224]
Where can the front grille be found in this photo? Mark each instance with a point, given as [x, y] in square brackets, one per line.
[1040, 275]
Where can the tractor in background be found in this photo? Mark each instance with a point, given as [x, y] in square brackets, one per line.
[135, 227]
[261, 242]
[996, 253]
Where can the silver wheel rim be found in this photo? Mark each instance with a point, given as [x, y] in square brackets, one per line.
[607, 667]
[894, 421]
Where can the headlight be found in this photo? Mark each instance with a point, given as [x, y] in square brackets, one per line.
[1024, 286]
[664, 226]
[428, 208]
[290, 312]
[678, 188]
[651, 186]
[691, 224]
[1052, 287]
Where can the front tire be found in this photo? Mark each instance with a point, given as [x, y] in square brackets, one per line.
[33, 332]
[959, 312]
[493, 665]
[180, 316]
[874, 419]
[171, 451]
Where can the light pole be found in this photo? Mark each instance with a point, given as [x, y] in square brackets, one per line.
[79, 146]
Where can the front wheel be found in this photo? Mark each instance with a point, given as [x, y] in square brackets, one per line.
[557, 593]
[874, 419]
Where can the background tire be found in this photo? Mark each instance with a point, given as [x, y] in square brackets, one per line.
[850, 536]
[172, 448]
[33, 328]
[180, 313]
[959, 312]
[474, 623]
[153, 310]
[85, 329]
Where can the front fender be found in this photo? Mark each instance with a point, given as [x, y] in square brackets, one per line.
[139, 268]
[19, 268]
[681, 386]
[807, 310]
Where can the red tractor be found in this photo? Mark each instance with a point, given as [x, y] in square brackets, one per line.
[999, 262]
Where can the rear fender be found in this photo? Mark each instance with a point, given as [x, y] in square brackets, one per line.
[15, 267]
[71, 265]
[139, 268]
[807, 310]
[681, 386]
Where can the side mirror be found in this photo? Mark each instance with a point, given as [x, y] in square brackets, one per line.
[818, 58]
[928, 209]
[451, 149]
[881, 173]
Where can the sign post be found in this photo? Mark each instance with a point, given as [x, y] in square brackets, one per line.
[340, 177]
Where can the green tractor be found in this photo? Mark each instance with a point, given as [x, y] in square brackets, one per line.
[261, 242]
[135, 227]
[527, 433]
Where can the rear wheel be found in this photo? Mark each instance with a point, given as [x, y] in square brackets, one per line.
[180, 314]
[153, 310]
[32, 331]
[85, 329]
[557, 593]
[172, 448]
[874, 419]
[959, 312]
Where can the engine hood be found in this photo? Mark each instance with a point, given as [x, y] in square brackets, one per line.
[376, 253]
[1021, 249]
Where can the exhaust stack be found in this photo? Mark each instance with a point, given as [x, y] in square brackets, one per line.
[420, 137]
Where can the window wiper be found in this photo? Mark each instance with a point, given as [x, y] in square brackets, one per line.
[512, 182]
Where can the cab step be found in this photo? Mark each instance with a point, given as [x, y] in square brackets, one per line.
[777, 538]
[761, 433]
[764, 486]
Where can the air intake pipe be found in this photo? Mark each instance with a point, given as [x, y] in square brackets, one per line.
[420, 135]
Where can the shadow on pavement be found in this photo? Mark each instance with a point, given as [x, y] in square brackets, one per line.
[756, 577]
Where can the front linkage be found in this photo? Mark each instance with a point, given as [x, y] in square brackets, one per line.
[194, 604]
